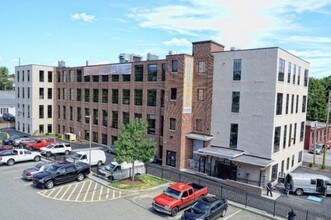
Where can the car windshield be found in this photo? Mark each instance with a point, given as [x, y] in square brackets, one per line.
[201, 207]
[172, 193]
[110, 167]
[50, 146]
[37, 167]
[51, 169]
[76, 156]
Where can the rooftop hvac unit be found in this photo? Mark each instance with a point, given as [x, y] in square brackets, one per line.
[151, 56]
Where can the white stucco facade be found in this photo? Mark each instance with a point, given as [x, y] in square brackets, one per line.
[257, 119]
[28, 82]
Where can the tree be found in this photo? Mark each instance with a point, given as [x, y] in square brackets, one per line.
[133, 145]
[6, 80]
[316, 100]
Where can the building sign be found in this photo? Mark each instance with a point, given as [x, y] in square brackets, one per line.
[188, 81]
[115, 69]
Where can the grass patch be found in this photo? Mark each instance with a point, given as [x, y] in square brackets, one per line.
[141, 182]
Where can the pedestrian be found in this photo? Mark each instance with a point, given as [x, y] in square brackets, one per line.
[324, 188]
[291, 215]
[287, 188]
[269, 189]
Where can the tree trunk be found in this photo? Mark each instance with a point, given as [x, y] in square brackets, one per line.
[132, 171]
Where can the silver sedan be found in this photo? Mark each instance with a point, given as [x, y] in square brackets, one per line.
[28, 173]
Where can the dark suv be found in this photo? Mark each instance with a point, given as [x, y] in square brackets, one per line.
[8, 117]
[60, 173]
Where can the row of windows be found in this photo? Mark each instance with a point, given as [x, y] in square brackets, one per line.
[41, 76]
[294, 101]
[21, 93]
[3, 110]
[41, 128]
[22, 111]
[287, 140]
[42, 111]
[289, 164]
[293, 73]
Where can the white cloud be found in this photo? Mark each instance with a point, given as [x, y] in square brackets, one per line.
[178, 42]
[83, 17]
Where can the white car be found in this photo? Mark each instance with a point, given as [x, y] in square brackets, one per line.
[23, 140]
[10, 157]
[59, 148]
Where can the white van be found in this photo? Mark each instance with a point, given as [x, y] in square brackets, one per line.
[115, 171]
[308, 183]
[98, 157]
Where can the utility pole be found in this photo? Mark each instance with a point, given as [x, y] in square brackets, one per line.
[326, 140]
[314, 143]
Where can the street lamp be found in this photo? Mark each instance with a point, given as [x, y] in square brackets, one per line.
[89, 117]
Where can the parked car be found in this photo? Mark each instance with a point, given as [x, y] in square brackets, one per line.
[98, 157]
[6, 147]
[10, 157]
[58, 148]
[178, 196]
[23, 140]
[115, 171]
[9, 141]
[8, 117]
[319, 148]
[207, 208]
[39, 144]
[110, 149]
[60, 173]
[39, 167]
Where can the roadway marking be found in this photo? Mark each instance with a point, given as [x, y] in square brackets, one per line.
[65, 192]
[107, 195]
[232, 215]
[95, 187]
[72, 192]
[52, 190]
[88, 189]
[58, 192]
[100, 193]
[27, 184]
[80, 191]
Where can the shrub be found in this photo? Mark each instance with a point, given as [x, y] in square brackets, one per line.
[310, 164]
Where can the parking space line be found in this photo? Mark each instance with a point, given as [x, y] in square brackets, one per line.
[113, 194]
[58, 192]
[51, 192]
[72, 192]
[107, 195]
[65, 192]
[100, 193]
[87, 191]
[80, 191]
[233, 214]
[95, 187]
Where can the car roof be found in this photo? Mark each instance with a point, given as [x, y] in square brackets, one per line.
[209, 199]
[180, 186]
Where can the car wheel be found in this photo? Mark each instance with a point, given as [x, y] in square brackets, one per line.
[10, 162]
[174, 211]
[36, 158]
[111, 178]
[49, 184]
[66, 152]
[223, 213]
[99, 163]
[299, 192]
[48, 154]
[80, 177]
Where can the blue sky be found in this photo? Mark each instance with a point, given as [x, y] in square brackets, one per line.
[43, 32]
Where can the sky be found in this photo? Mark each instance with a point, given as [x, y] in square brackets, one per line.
[44, 32]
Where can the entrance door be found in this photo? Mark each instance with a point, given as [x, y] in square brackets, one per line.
[319, 185]
[225, 170]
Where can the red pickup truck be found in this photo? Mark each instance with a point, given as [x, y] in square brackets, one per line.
[39, 144]
[178, 196]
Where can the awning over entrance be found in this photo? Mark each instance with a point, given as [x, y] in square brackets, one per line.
[199, 137]
[234, 155]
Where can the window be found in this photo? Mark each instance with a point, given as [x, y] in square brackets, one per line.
[161, 125]
[290, 136]
[292, 161]
[104, 139]
[64, 112]
[282, 167]
[151, 97]
[294, 72]
[50, 76]
[152, 72]
[95, 137]
[126, 96]
[295, 133]
[277, 139]
[237, 69]
[126, 118]
[95, 95]
[95, 116]
[79, 114]
[151, 124]
[87, 95]
[300, 157]
[172, 124]
[71, 113]
[104, 95]
[126, 77]
[41, 93]
[49, 93]
[71, 94]
[58, 93]
[313, 181]
[292, 104]
[79, 95]
[115, 96]
[64, 94]
[284, 138]
[287, 102]
[137, 115]
[289, 72]
[28, 75]
[113, 139]
[115, 119]
[302, 131]
[18, 76]
[18, 92]
[299, 73]
[23, 93]
[49, 111]
[297, 104]
[58, 75]
[233, 135]
[279, 103]
[171, 158]
[59, 111]
[235, 101]
[162, 98]
[173, 95]
[138, 97]
[95, 78]
[115, 78]
[174, 66]
[198, 125]
[104, 78]
[87, 78]
[104, 118]
[200, 94]
[41, 129]
[28, 111]
[41, 76]
[304, 100]
[201, 67]
[274, 171]
[288, 163]
[139, 73]
[305, 83]
[23, 81]
[41, 111]
[87, 113]
[71, 76]
[79, 75]
[163, 73]
[281, 70]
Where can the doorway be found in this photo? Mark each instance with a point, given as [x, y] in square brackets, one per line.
[225, 170]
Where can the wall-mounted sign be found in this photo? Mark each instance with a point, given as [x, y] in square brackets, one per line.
[114, 69]
[188, 89]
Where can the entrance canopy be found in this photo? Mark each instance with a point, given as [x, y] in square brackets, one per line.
[234, 155]
[199, 137]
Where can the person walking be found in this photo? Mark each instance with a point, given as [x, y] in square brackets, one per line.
[269, 188]
[287, 188]
[291, 215]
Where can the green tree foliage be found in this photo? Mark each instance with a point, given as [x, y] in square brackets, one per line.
[6, 80]
[316, 109]
[133, 145]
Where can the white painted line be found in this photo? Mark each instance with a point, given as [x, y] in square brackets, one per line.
[27, 184]
[19, 177]
[232, 215]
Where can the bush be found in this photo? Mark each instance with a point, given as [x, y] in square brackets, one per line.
[323, 167]
[310, 164]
